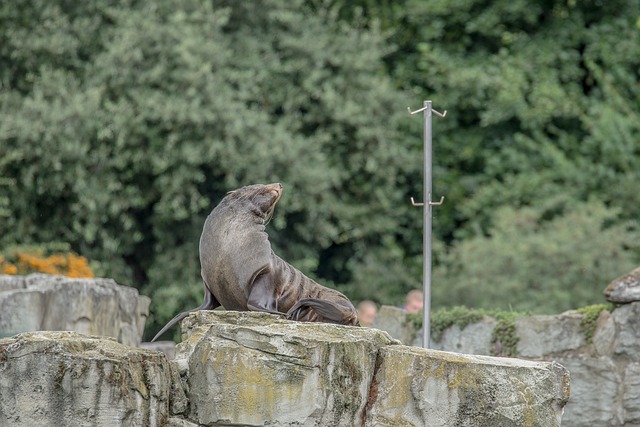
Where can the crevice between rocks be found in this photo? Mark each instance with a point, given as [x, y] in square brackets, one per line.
[372, 395]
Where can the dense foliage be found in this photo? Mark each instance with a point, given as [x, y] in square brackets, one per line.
[539, 154]
[124, 122]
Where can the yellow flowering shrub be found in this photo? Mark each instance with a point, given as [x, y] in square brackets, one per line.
[35, 261]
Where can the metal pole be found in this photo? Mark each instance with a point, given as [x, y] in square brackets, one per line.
[426, 232]
[427, 217]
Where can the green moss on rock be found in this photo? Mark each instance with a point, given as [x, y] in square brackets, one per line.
[445, 318]
[460, 316]
[590, 316]
[504, 340]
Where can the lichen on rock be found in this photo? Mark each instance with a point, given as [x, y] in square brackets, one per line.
[421, 387]
[96, 306]
[257, 368]
[69, 379]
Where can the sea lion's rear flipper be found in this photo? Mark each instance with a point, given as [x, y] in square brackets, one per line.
[210, 302]
[317, 310]
[262, 296]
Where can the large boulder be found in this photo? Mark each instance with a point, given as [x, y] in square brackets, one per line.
[41, 302]
[624, 289]
[254, 369]
[257, 369]
[600, 348]
[419, 387]
[68, 379]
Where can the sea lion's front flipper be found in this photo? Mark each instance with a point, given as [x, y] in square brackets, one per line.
[325, 311]
[262, 296]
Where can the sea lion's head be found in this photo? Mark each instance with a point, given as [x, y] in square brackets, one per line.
[261, 199]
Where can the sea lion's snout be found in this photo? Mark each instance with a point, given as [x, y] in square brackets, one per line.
[276, 188]
[269, 196]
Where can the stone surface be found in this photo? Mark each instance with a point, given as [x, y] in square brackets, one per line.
[179, 422]
[631, 402]
[475, 338]
[627, 320]
[394, 321]
[257, 369]
[624, 289]
[604, 336]
[254, 369]
[604, 371]
[11, 282]
[39, 302]
[68, 379]
[545, 335]
[595, 384]
[166, 347]
[419, 387]
[245, 368]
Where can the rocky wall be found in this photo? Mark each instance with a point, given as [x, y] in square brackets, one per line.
[68, 379]
[255, 369]
[42, 302]
[601, 350]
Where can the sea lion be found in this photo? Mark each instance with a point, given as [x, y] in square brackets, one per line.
[241, 272]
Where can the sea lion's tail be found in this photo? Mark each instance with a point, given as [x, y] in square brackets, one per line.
[209, 303]
[329, 311]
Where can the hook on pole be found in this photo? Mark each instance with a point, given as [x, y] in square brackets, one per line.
[437, 203]
[430, 203]
[413, 202]
[424, 108]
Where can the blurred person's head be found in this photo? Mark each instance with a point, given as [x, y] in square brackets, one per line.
[367, 311]
[414, 301]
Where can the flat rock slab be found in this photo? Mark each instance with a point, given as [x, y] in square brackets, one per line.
[42, 302]
[256, 369]
[68, 379]
[420, 387]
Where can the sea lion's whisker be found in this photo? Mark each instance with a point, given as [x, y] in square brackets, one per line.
[269, 215]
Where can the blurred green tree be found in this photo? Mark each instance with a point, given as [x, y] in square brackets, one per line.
[124, 123]
[544, 105]
[543, 259]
